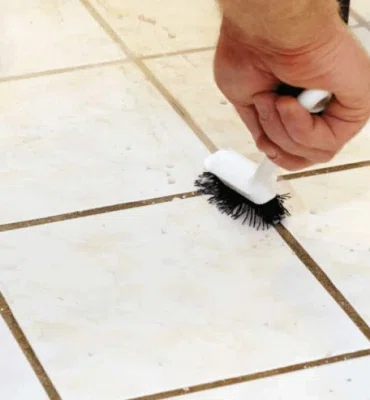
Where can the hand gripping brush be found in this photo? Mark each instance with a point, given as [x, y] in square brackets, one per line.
[241, 188]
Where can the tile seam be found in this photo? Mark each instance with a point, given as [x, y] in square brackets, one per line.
[27, 349]
[140, 64]
[153, 201]
[323, 279]
[254, 376]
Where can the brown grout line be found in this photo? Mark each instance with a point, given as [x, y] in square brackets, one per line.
[177, 106]
[62, 70]
[255, 376]
[94, 211]
[106, 27]
[324, 280]
[178, 53]
[23, 343]
[180, 110]
[157, 200]
[360, 19]
[326, 170]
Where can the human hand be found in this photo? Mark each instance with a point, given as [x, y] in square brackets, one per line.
[248, 71]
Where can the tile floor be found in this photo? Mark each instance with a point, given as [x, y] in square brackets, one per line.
[117, 281]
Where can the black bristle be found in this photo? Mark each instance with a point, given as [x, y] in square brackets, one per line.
[235, 205]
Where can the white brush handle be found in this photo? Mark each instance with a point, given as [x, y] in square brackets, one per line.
[313, 100]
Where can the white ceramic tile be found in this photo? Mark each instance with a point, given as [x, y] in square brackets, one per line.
[342, 381]
[190, 78]
[364, 35]
[39, 35]
[88, 139]
[331, 218]
[166, 296]
[362, 7]
[17, 379]
[352, 21]
[150, 27]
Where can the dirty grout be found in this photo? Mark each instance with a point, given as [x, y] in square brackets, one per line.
[28, 351]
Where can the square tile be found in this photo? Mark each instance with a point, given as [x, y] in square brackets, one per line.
[352, 21]
[363, 35]
[88, 139]
[17, 379]
[39, 35]
[331, 219]
[342, 381]
[190, 79]
[162, 297]
[362, 7]
[152, 27]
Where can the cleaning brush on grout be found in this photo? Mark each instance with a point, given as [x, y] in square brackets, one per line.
[241, 188]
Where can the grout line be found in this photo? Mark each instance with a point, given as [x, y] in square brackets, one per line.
[49, 72]
[180, 110]
[255, 376]
[23, 343]
[158, 200]
[360, 19]
[178, 107]
[326, 170]
[178, 53]
[324, 280]
[94, 211]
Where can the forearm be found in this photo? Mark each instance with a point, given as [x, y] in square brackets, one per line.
[286, 23]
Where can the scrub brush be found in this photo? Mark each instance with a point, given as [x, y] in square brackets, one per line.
[241, 188]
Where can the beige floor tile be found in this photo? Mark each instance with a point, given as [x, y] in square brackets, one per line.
[352, 21]
[39, 35]
[88, 139]
[331, 219]
[362, 7]
[364, 35]
[17, 380]
[160, 26]
[166, 296]
[342, 381]
[190, 79]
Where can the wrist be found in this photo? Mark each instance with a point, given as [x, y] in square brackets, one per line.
[285, 26]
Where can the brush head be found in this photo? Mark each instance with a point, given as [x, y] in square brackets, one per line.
[256, 183]
[233, 204]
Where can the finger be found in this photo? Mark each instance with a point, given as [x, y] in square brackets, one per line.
[274, 128]
[249, 116]
[345, 122]
[265, 145]
[292, 163]
[304, 128]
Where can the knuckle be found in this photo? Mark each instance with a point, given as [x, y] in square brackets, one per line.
[261, 144]
[293, 164]
[302, 137]
[328, 156]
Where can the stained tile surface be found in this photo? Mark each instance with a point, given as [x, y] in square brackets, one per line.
[38, 35]
[88, 139]
[162, 297]
[362, 7]
[334, 382]
[170, 295]
[152, 27]
[17, 380]
[331, 220]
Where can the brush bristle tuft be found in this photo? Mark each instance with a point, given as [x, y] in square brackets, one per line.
[236, 206]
